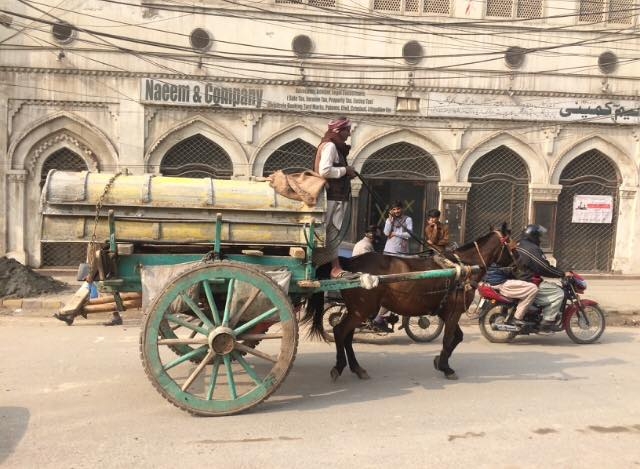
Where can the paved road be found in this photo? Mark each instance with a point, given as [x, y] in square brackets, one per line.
[77, 397]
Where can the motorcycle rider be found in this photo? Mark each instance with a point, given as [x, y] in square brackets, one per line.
[502, 280]
[531, 262]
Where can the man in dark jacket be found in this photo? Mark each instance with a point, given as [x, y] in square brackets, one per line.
[531, 262]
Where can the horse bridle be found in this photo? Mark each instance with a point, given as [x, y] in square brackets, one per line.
[504, 240]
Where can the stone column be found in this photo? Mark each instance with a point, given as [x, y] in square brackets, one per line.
[625, 258]
[16, 214]
[356, 187]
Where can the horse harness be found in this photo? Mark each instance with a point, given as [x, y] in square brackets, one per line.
[466, 284]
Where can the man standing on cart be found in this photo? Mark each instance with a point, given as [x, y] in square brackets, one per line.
[331, 163]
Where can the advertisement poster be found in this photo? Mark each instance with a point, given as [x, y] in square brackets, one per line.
[592, 209]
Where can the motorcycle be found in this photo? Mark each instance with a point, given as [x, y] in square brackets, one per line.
[418, 328]
[582, 319]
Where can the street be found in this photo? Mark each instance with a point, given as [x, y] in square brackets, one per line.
[78, 397]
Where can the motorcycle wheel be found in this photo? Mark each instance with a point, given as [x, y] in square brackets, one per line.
[497, 314]
[586, 326]
[332, 316]
[422, 328]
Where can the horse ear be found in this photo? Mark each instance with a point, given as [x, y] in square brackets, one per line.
[491, 228]
[504, 230]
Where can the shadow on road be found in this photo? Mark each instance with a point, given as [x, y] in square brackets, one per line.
[15, 421]
[309, 387]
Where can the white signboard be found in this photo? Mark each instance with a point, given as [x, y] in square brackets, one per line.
[532, 108]
[592, 209]
[246, 96]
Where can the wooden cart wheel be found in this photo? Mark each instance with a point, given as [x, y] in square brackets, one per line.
[239, 354]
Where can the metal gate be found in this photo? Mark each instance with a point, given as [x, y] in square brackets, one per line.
[62, 254]
[197, 157]
[292, 157]
[399, 171]
[499, 192]
[586, 247]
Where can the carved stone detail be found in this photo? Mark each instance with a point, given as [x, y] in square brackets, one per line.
[250, 120]
[458, 130]
[550, 134]
[149, 115]
[628, 192]
[36, 154]
[17, 176]
[455, 191]
[547, 192]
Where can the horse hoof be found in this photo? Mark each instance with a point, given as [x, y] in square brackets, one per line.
[334, 374]
[435, 363]
[362, 373]
[452, 376]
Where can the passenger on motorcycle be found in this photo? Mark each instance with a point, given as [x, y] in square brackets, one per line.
[531, 262]
[501, 279]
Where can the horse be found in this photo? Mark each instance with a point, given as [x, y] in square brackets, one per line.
[444, 297]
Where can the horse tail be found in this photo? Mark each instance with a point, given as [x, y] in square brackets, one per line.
[315, 307]
[313, 313]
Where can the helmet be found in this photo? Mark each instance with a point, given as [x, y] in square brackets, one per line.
[533, 233]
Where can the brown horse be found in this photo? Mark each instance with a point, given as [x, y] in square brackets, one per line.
[444, 297]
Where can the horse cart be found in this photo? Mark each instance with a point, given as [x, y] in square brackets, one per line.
[220, 265]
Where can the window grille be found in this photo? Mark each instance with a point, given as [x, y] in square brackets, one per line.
[411, 5]
[64, 160]
[400, 160]
[514, 8]
[586, 246]
[621, 12]
[529, 9]
[313, 3]
[323, 3]
[440, 7]
[591, 11]
[499, 192]
[292, 157]
[197, 157]
[62, 254]
[386, 5]
[503, 8]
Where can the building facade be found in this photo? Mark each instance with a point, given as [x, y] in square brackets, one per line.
[512, 110]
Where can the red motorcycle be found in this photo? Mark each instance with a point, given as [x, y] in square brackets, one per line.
[582, 319]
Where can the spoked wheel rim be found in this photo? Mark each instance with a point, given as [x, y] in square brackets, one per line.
[234, 351]
[332, 316]
[587, 326]
[423, 328]
[495, 316]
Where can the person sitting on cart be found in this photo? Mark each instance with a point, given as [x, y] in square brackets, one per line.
[367, 243]
[331, 163]
[436, 233]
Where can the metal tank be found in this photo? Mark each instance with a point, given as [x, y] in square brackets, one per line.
[151, 209]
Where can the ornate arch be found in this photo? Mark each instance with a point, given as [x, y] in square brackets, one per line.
[627, 171]
[537, 166]
[266, 149]
[45, 136]
[197, 125]
[443, 158]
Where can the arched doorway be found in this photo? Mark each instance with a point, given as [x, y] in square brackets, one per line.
[62, 254]
[400, 171]
[586, 246]
[499, 192]
[292, 157]
[197, 157]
